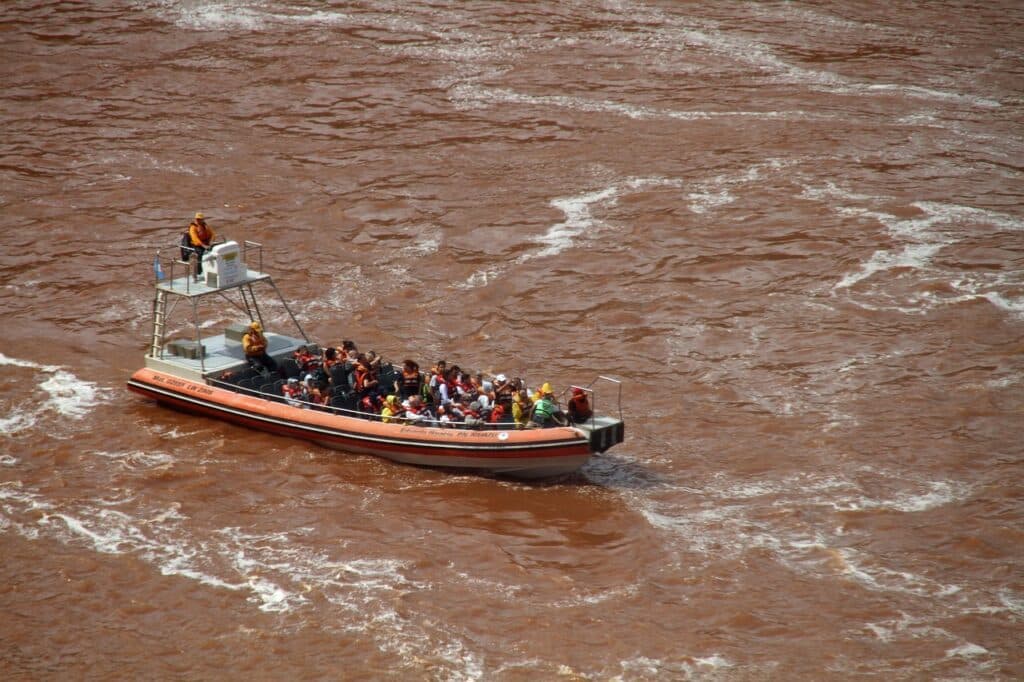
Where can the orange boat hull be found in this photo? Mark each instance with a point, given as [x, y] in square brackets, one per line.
[529, 453]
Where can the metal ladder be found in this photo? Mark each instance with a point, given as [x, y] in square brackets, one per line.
[159, 317]
[249, 300]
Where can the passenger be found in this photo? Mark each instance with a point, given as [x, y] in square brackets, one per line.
[444, 420]
[579, 406]
[545, 411]
[416, 412]
[200, 238]
[440, 389]
[432, 390]
[503, 391]
[374, 361]
[254, 345]
[521, 407]
[368, 405]
[391, 410]
[472, 417]
[312, 392]
[293, 392]
[497, 414]
[544, 389]
[366, 381]
[306, 360]
[409, 382]
[456, 409]
[331, 358]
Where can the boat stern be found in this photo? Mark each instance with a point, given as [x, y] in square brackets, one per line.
[603, 432]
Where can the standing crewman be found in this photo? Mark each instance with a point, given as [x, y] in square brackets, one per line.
[200, 237]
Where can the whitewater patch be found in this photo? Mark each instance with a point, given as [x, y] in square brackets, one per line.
[62, 393]
[243, 15]
[917, 241]
[727, 517]
[580, 224]
[274, 568]
[469, 96]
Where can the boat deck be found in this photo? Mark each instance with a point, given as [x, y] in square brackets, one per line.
[221, 354]
[187, 287]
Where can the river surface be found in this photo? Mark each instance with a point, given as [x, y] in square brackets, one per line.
[794, 230]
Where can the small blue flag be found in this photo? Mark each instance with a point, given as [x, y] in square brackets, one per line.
[156, 267]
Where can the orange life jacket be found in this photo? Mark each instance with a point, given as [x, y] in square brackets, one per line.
[200, 234]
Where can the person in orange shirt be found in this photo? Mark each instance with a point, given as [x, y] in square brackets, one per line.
[201, 238]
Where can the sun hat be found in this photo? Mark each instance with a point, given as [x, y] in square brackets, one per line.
[199, 216]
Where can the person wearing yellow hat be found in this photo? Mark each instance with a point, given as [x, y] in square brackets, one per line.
[521, 407]
[254, 345]
[543, 391]
[390, 410]
[200, 237]
[545, 410]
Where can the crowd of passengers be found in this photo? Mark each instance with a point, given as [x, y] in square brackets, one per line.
[446, 396]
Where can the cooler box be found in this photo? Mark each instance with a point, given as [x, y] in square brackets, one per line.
[223, 266]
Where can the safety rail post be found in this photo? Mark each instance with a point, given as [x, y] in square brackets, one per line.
[614, 381]
[258, 247]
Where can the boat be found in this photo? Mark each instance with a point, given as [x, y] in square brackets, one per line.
[206, 373]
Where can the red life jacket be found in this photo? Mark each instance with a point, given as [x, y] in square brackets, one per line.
[497, 413]
[579, 407]
[362, 375]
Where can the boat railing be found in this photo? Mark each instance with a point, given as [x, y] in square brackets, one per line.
[257, 248]
[191, 265]
[592, 392]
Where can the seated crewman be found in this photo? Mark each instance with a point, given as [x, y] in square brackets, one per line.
[254, 345]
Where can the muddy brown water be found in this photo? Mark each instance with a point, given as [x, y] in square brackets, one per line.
[793, 230]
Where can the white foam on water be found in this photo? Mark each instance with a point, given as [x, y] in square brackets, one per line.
[689, 668]
[1014, 306]
[743, 49]
[919, 240]
[578, 219]
[474, 96]
[244, 15]
[967, 650]
[13, 493]
[882, 579]
[63, 393]
[906, 626]
[579, 223]
[703, 202]
[18, 420]
[7, 460]
[716, 192]
[939, 493]
[138, 459]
